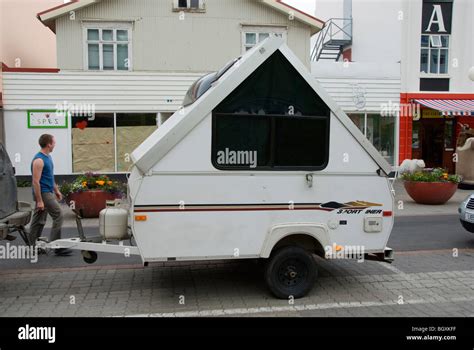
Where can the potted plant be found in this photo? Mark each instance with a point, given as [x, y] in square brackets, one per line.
[431, 186]
[89, 193]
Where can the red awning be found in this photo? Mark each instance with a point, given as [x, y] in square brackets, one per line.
[450, 107]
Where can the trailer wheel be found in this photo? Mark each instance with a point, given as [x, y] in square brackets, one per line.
[89, 257]
[290, 272]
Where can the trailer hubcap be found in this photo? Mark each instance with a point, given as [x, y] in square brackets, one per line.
[291, 272]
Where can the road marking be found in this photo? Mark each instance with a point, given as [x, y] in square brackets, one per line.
[296, 308]
[393, 269]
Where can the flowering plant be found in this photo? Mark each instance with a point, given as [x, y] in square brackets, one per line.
[93, 182]
[431, 175]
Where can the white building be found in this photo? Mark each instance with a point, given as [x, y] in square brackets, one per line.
[413, 54]
[360, 66]
[437, 54]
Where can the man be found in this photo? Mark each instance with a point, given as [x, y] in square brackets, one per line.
[46, 194]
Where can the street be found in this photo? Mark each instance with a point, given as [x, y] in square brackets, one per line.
[432, 275]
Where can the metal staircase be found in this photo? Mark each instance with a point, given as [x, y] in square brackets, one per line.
[333, 39]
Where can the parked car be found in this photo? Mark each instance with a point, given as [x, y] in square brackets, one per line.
[466, 212]
[14, 215]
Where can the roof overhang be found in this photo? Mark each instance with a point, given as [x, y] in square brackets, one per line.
[48, 17]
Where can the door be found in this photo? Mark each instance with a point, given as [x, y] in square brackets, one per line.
[449, 144]
[432, 142]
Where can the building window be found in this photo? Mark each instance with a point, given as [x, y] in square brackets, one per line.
[104, 143]
[380, 131]
[108, 47]
[93, 143]
[132, 130]
[252, 36]
[189, 5]
[434, 54]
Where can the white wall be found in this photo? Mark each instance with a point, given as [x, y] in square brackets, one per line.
[164, 42]
[377, 29]
[461, 47]
[326, 9]
[22, 144]
[380, 84]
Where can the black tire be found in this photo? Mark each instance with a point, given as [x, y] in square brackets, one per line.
[89, 257]
[290, 272]
[469, 226]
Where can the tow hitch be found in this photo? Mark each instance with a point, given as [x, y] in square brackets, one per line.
[386, 256]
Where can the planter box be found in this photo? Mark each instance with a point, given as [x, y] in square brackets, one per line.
[433, 193]
[91, 202]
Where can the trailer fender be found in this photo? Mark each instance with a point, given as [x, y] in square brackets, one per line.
[317, 231]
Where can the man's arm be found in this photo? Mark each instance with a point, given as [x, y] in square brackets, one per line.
[38, 165]
[58, 193]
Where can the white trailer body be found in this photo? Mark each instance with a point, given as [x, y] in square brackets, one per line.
[315, 186]
[193, 211]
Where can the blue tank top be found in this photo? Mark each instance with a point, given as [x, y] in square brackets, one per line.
[47, 177]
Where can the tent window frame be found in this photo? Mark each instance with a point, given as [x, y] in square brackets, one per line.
[272, 146]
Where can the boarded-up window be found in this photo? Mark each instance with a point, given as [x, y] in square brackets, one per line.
[93, 143]
[132, 130]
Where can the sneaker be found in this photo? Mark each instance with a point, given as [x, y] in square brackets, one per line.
[62, 252]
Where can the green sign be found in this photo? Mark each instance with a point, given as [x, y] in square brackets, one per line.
[47, 119]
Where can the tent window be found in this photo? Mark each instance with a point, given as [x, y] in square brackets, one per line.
[242, 141]
[300, 142]
[274, 116]
[245, 142]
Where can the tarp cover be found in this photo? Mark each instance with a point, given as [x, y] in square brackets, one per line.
[8, 191]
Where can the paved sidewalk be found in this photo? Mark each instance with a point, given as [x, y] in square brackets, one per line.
[410, 208]
[417, 284]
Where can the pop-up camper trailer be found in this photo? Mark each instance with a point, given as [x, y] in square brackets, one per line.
[259, 163]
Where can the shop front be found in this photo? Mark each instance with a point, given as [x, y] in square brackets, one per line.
[433, 134]
[98, 119]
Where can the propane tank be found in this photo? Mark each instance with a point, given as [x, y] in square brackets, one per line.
[113, 223]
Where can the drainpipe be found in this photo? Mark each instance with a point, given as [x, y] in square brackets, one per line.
[347, 15]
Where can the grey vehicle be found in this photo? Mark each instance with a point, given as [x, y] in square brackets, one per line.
[14, 215]
[466, 213]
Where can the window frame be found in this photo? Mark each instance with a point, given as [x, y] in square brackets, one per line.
[159, 118]
[188, 8]
[258, 30]
[272, 149]
[101, 26]
[431, 49]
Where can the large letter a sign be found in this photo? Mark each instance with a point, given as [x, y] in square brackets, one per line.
[437, 17]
